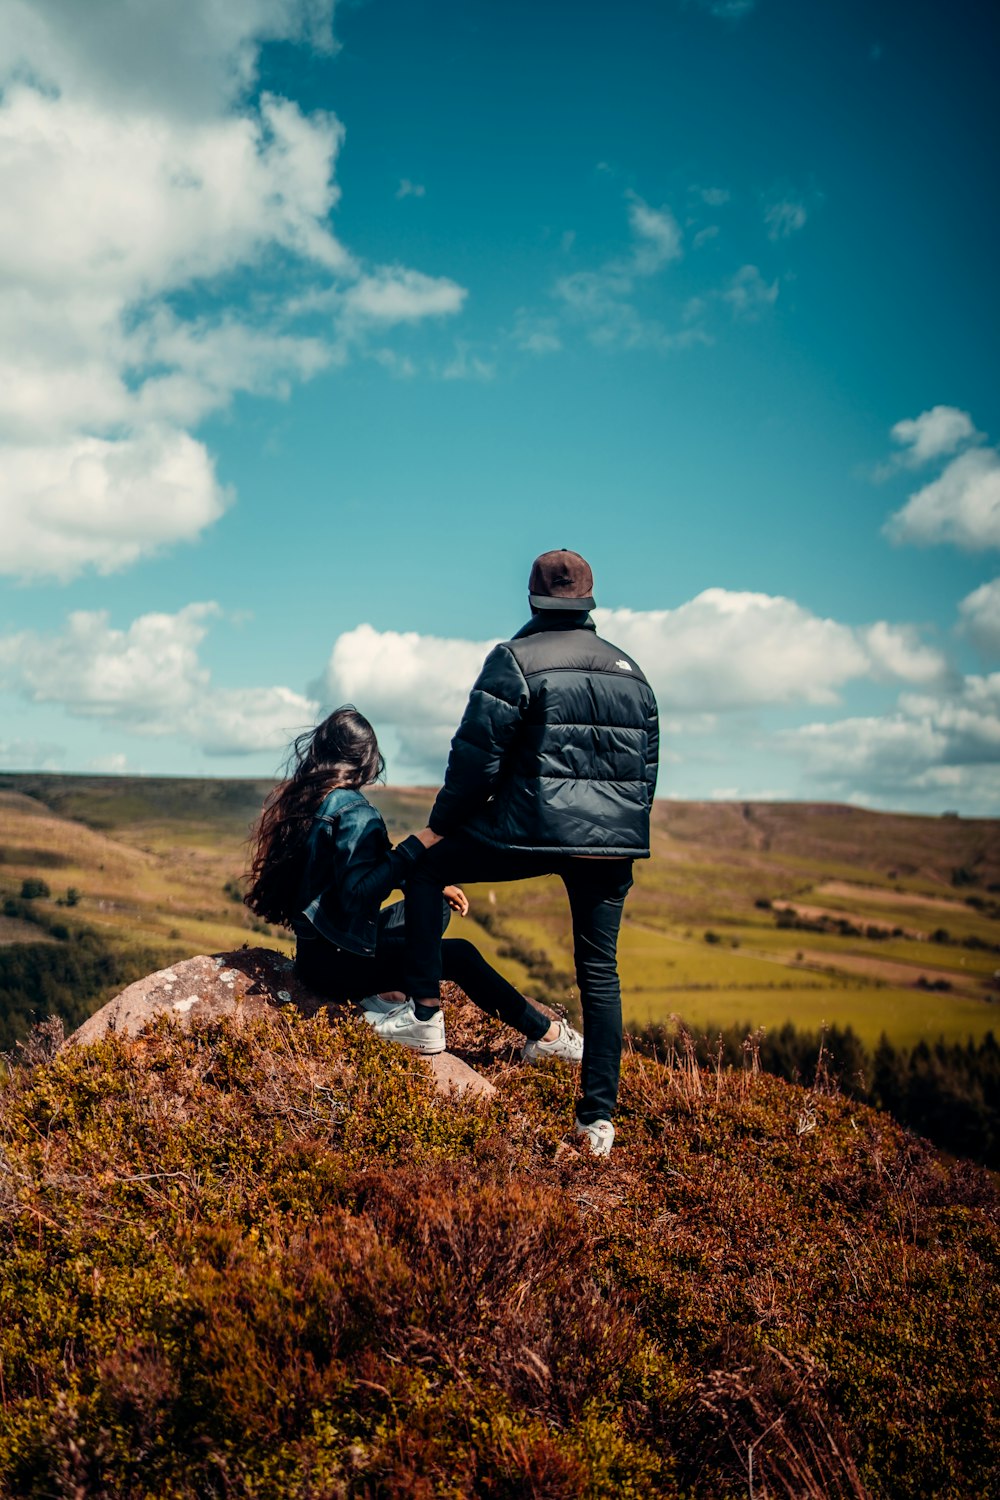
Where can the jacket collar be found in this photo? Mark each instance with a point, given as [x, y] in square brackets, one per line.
[335, 801]
[553, 619]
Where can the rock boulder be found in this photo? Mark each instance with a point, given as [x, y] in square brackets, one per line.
[246, 983]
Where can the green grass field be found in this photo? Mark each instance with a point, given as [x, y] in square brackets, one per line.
[152, 858]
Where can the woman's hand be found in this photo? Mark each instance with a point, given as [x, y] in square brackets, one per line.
[429, 838]
[456, 899]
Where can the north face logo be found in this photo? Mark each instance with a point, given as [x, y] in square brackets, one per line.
[625, 666]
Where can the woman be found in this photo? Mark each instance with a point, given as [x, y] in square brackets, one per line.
[322, 864]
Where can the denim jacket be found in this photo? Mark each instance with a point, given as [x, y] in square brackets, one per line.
[350, 868]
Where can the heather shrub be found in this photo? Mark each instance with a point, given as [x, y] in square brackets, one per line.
[268, 1260]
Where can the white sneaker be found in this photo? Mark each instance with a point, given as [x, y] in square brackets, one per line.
[402, 1025]
[567, 1044]
[599, 1133]
[374, 1007]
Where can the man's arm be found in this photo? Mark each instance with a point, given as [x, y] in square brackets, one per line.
[652, 747]
[494, 711]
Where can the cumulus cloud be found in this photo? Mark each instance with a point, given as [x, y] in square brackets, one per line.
[657, 238]
[180, 59]
[722, 652]
[935, 433]
[149, 679]
[408, 189]
[94, 502]
[726, 650]
[961, 506]
[932, 744]
[979, 614]
[418, 684]
[897, 653]
[403, 677]
[749, 295]
[396, 295]
[137, 165]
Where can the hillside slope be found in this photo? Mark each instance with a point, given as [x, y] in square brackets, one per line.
[748, 914]
[269, 1261]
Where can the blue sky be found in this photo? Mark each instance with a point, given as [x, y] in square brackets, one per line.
[316, 326]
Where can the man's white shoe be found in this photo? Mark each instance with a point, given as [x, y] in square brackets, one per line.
[599, 1133]
[567, 1044]
[402, 1025]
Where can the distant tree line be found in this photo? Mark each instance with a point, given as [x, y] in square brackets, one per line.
[67, 977]
[946, 1091]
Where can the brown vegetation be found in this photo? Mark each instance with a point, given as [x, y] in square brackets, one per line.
[268, 1261]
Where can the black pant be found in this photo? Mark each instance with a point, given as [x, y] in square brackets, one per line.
[596, 888]
[341, 975]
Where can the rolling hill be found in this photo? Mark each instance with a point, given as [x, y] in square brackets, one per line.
[748, 914]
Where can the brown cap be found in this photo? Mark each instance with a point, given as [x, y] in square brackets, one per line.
[561, 580]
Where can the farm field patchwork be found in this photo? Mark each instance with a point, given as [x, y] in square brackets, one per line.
[157, 862]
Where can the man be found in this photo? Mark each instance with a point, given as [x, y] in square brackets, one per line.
[552, 771]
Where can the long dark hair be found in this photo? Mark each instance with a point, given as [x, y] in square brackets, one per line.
[342, 751]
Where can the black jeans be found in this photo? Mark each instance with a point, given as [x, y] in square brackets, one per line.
[340, 975]
[596, 889]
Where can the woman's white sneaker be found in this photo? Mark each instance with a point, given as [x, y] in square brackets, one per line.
[374, 1007]
[403, 1025]
[566, 1044]
[599, 1134]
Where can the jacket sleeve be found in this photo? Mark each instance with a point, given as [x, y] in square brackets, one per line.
[652, 746]
[495, 708]
[362, 862]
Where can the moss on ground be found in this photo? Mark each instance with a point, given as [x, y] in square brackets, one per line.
[270, 1261]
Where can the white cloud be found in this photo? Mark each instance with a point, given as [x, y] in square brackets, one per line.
[90, 502]
[181, 59]
[401, 677]
[602, 299]
[396, 295]
[408, 189]
[934, 434]
[418, 684]
[897, 653]
[727, 650]
[143, 675]
[114, 764]
[719, 653]
[785, 218]
[239, 721]
[932, 746]
[31, 755]
[466, 365]
[979, 613]
[962, 506]
[536, 335]
[658, 239]
[135, 165]
[149, 679]
[748, 294]
[136, 205]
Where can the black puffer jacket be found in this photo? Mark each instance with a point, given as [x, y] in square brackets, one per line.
[557, 749]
